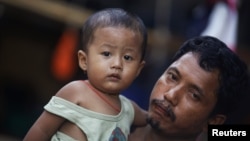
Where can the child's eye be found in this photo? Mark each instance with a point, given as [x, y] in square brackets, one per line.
[106, 53]
[127, 57]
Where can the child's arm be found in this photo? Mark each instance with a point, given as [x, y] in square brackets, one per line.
[140, 118]
[45, 126]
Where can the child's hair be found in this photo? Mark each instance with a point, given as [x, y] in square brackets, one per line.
[113, 17]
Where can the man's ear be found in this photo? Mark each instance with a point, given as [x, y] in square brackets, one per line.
[82, 60]
[215, 120]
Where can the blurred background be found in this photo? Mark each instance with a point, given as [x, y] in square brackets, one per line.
[39, 39]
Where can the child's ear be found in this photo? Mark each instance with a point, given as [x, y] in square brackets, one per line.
[142, 64]
[82, 60]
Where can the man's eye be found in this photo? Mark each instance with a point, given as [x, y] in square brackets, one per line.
[127, 57]
[172, 76]
[195, 96]
[106, 53]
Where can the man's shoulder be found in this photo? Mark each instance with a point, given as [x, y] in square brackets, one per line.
[138, 134]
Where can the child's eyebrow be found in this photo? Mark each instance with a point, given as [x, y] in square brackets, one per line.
[106, 45]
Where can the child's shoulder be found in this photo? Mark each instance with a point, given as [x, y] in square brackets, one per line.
[77, 84]
[72, 91]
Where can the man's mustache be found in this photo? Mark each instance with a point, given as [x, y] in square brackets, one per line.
[166, 106]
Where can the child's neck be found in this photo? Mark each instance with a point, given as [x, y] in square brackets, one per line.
[101, 95]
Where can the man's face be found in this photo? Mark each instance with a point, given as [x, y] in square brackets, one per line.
[183, 98]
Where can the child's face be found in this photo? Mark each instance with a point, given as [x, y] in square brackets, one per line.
[113, 59]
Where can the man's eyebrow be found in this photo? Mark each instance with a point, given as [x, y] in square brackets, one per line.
[200, 91]
[197, 88]
[174, 69]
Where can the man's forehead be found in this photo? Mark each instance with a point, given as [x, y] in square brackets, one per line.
[188, 68]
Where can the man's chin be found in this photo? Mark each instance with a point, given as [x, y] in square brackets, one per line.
[153, 123]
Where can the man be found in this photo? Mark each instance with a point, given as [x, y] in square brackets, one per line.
[201, 86]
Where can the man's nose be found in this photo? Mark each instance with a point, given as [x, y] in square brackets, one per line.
[173, 95]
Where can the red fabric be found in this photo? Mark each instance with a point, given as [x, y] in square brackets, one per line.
[64, 58]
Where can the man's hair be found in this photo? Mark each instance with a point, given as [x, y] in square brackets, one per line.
[113, 17]
[233, 77]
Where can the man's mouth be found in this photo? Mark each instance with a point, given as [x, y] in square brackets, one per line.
[165, 107]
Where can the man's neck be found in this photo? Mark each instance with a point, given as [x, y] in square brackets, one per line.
[152, 135]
